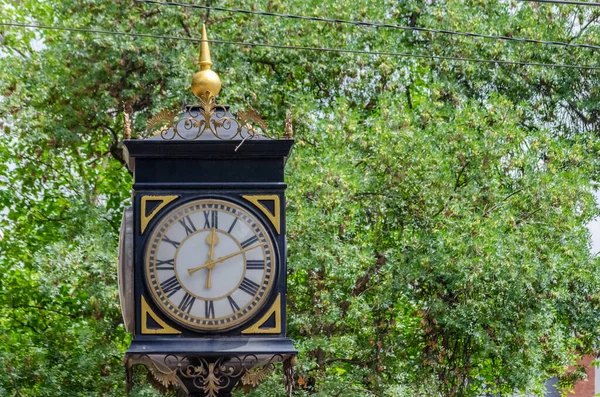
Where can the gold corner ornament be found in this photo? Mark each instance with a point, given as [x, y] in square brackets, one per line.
[145, 218]
[205, 80]
[289, 128]
[275, 216]
[275, 310]
[165, 328]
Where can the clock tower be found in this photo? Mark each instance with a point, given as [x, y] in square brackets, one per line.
[202, 264]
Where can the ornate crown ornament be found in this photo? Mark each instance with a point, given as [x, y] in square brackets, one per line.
[207, 120]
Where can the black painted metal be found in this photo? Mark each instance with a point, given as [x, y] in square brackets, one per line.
[201, 169]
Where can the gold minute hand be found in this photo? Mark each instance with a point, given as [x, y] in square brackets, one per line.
[223, 258]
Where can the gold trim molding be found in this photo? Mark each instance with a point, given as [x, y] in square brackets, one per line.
[165, 330]
[145, 219]
[275, 217]
[256, 327]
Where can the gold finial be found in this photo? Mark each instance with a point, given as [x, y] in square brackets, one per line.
[205, 80]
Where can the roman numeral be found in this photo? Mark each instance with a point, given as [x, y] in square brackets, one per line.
[170, 286]
[186, 303]
[249, 286]
[249, 242]
[255, 265]
[232, 225]
[187, 223]
[168, 240]
[169, 264]
[234, 306]
[209, 309]
[211, 219]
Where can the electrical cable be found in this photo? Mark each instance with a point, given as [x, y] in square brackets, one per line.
[372, 24]
[577, 3]
[313, 49]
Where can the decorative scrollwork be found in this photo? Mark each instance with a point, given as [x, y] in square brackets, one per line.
[208, 375]
[207, 120]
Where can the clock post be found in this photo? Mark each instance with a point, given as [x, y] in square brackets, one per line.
[202, 264]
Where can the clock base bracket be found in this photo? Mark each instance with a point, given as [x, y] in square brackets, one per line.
[208, 374]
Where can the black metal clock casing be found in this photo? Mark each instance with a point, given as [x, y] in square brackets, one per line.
[169, 175]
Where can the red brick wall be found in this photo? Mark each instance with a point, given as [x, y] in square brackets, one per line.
[585, 388]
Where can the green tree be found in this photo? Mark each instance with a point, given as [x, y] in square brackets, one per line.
[437, 209]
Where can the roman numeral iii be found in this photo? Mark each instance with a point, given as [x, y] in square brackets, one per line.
[255, 265]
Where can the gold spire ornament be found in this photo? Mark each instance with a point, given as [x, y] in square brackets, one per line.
[205, 80]
[207, 116]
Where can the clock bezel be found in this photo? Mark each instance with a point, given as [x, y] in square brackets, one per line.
[270, 240]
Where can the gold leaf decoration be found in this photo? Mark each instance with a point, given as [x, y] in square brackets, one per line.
[213, 383]
[250, 117]
[164, 116]
[165, 379]
[207, 105]
[252, 378]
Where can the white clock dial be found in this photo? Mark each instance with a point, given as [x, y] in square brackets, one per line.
[210, 265]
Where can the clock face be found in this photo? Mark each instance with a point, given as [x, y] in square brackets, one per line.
[210, 265]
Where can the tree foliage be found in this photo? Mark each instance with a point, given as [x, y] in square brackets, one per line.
[437, 210]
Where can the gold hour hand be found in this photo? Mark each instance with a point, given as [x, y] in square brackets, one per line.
[211, 239]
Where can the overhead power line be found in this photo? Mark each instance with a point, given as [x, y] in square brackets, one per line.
[577, 3]
[302, 48]
[373, 24]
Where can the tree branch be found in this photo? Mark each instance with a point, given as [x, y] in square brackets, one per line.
[500, 203]
[361, 283]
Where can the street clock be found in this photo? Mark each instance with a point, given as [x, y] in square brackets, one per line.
[202, 264]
